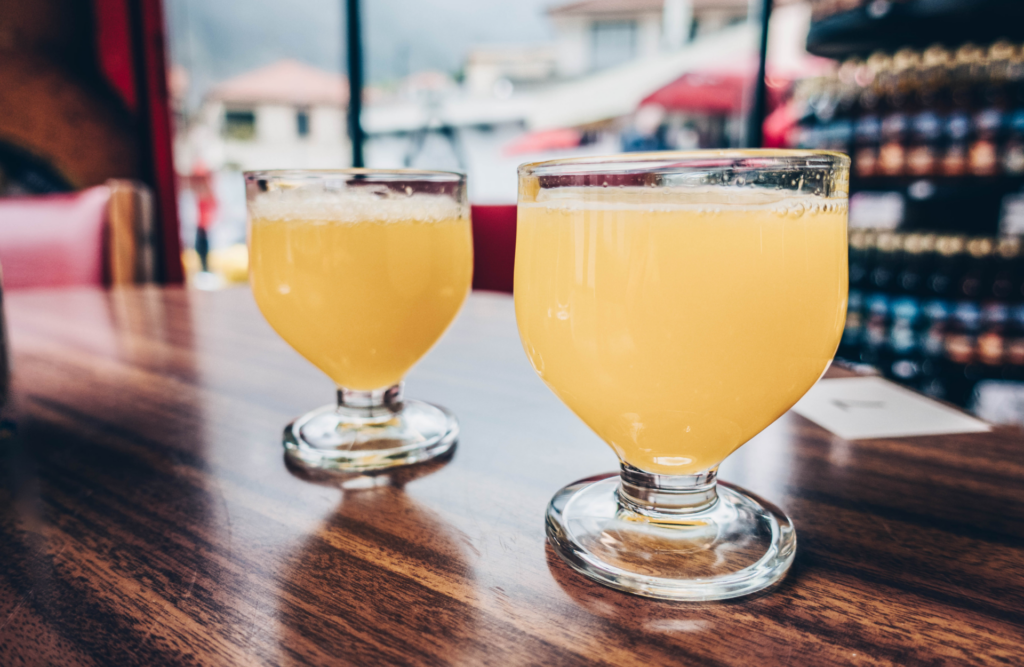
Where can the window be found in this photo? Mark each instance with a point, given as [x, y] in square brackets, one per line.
[614, 42]
[302, 123]
[240, 125]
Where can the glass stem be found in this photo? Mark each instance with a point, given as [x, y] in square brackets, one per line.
[373, 405]
[667, 496]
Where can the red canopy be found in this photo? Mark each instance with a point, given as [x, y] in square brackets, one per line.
[723, 90]
[701, 92]
[544, 140]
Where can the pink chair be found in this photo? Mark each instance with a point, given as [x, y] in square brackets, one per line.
[100, 236]
[53, 240]
[494, 247]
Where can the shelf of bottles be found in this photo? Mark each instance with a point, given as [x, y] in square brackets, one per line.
[942, 129]
[937, 299]
[842, 28]
[936, 312]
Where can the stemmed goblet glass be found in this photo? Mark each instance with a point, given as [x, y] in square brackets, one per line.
[679, 303]
[361, 271]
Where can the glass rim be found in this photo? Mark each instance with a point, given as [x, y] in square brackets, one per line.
[423, 175]
[691, 159]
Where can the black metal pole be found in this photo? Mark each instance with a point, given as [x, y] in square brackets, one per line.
[355, 80]
[755, 123]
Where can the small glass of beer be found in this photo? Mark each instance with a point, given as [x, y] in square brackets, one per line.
[361, 271]
[679, 303]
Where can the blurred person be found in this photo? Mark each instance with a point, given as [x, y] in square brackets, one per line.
[206, 204]
[647, 132]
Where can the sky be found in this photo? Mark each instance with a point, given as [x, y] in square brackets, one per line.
[217, 39]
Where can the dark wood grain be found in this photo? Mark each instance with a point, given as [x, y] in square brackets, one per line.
[147, 516]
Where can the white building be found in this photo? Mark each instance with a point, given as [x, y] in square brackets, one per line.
[593, 35]
[608, 56]
[500, 69]
[285, 115]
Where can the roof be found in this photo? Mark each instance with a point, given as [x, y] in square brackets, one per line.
[284, 82]
[599, 7]
[732, 50]
[589, 99]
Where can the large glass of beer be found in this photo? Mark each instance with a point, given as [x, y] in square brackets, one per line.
[361, 271]
[679, 303]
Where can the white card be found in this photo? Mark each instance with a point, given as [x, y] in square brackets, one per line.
[871, 407]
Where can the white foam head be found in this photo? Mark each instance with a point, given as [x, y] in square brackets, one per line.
[352, 206]
[701, 199]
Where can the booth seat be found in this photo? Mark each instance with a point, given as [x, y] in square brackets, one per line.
[494, 247]
[98, 236]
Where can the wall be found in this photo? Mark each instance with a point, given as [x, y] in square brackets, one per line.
[276, 144]
[54, 104]
[573, 45]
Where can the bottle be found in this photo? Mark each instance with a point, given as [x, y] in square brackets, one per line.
[847, 107]
[996, 75]
[805, 95]
[957, 130]
[880, 289]
[995, 307]
[923, 150]
[967, 75]
[983, 155]
[831, 115]
[1015, 79]
[1013, 150]
[933, 92]
[972, 283]
[1014, 338]
[861, 259]
[1012, 158]
[905, 310]
[937, 307]
[898, 85]
[962, 340]
[867, 129]
[964, 69]
[926, 125]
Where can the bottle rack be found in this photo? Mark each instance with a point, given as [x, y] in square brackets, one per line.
[939, 313]
[889, 25]
[938, 305]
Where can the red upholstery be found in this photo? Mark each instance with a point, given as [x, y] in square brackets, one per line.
[53, 240]
[494, 247]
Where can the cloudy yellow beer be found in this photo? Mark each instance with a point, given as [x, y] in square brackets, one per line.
[679, 325]
[361, 288]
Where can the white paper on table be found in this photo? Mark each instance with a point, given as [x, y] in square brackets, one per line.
[871, 407]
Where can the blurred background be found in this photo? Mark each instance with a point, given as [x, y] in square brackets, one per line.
[476, 87]
[125, 126]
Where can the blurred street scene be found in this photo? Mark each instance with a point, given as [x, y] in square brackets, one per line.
[578, 78]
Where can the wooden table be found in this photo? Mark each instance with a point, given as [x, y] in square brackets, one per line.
[147, 516]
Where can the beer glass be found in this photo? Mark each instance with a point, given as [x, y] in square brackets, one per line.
[679, 303]
[361, 271]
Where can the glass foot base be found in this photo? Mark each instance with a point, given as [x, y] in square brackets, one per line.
[739, 545]
[329, 440]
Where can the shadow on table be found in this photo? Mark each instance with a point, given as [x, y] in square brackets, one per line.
[383, 580]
